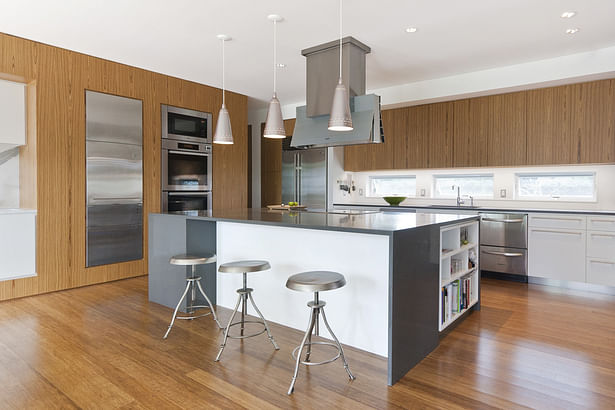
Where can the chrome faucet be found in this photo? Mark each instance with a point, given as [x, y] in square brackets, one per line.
[459, 200]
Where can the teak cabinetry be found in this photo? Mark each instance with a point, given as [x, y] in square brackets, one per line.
[571, 124]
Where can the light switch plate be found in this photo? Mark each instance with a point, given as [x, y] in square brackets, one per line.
[361, 191]
[502, 193]
[423, 193]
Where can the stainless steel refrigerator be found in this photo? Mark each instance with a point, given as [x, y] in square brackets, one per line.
[304, 177]
[114, 178]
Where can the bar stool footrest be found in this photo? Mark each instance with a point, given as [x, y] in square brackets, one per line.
[294, 353]
[186, 317]
[250, 335]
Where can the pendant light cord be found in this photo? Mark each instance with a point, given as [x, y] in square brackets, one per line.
[340, 39]
[223, 70]
[275, 55]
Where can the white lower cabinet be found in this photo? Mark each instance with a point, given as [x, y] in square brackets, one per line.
[556, 253]
[600, 272]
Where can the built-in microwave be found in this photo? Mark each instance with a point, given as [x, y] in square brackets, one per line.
[186, 125]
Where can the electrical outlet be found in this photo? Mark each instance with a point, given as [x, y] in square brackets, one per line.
[423, 192]
[361, 191]
[502, 193]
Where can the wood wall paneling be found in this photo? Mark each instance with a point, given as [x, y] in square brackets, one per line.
[593, 121]
[61, 78]
[417, 139]
[440, 135]
[271, 168]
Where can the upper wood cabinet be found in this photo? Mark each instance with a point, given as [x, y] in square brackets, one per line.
[572, 124]
[506, 138]
[389, 155]
[593, 121]
[470, 132]
[549, 138]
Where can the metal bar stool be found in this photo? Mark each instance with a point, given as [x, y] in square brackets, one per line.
[192, 282]
[316, 281]
[245, 293]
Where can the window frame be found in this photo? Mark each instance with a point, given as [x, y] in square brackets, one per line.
[559, 198]
[369, 190]
[453, 194]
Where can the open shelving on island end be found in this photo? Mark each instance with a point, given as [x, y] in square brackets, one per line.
[459, 273]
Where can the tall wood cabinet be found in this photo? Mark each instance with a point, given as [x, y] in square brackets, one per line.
[506, 138]
[470, 132]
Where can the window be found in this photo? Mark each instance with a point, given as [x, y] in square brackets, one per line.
[554, 186]
[478, 186]
[396, 185]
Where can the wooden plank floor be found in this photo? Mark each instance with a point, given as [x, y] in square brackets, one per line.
[101, 347]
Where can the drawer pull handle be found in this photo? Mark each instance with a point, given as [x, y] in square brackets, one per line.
[602, 262]
[558, 232]
[558, 219]
[506, 221]
[507, 254]
[603, 235]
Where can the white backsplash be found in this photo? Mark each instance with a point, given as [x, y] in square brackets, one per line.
[504, 178]
[9, 177]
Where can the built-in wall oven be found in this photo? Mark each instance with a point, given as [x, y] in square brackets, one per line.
[186, 160]
[503, 245]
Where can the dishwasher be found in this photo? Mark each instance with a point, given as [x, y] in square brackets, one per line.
[503, 245]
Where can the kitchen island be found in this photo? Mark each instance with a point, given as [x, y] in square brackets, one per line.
[396, 266]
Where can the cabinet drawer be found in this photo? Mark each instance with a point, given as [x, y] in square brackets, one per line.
[557, 254]
[600, 272]
[558, 221]
[601, 245]
[601, 223]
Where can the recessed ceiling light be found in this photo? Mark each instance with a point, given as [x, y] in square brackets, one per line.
[411, 30]
[568, 14]
[281, 65]
[572, 30]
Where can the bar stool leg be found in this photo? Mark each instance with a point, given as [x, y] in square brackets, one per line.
[244, 302]
[309, 341]
[176, 309]
[337, 342]
[271, 339]
[305, 336]
[228, 327]
[211, 306]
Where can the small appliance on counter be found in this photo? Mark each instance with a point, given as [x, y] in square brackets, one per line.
[186, 160]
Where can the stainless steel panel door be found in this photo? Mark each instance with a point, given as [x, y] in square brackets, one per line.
[313, 178]
[509, 230]
[114, 173]
[289, 177]
[112, 118]
[114, 234]
[504, 260]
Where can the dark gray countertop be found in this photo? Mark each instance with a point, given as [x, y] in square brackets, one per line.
[480, 209]
[384, 223]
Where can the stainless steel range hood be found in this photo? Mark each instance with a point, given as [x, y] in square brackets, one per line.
[322, 63]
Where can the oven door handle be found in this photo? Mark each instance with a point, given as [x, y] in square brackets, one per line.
[196, 154]
[188, 193]
[507, 254]
[506, 221]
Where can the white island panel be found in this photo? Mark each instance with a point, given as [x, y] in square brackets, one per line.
[17, 243]
[358, 312]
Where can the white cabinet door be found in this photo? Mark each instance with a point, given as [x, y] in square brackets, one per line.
[601, 223]
[601, 245]
[12, 113]
[600, 272]
[557, 254]
[557, 221]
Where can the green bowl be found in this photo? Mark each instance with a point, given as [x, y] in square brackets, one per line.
[394, 200]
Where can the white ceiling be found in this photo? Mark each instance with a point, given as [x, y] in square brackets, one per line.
[178, 37]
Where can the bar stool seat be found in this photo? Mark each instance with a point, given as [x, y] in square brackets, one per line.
[245, 293]
[316, 281]
[192, 282]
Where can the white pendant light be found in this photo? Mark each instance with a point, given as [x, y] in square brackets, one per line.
[340, 118]
[223, 134]
[274, 124]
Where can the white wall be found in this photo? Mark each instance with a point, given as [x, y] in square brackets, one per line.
[9, 176]
[504, 178]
